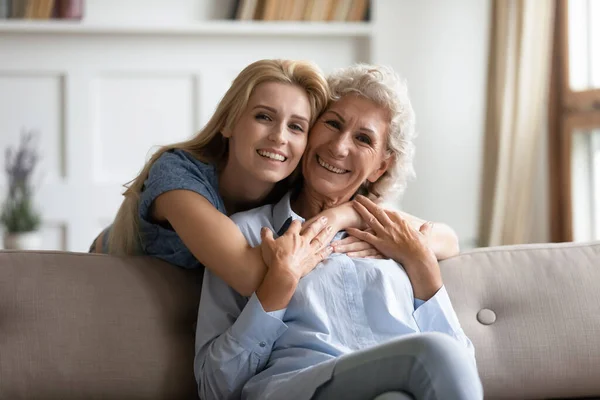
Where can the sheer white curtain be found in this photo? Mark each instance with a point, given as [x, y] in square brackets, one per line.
[518, 80]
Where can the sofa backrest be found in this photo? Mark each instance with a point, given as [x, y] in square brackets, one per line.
[90, 326]
[533, 315]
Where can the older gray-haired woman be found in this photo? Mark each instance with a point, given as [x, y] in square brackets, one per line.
[352, 328]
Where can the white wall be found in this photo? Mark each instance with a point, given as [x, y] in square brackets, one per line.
[441, 48]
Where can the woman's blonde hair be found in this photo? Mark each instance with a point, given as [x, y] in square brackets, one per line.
[209, 145]
[384, 87]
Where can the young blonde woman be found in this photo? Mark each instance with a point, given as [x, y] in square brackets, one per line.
[177, 208]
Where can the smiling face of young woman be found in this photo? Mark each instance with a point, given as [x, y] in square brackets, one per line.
[347, 147]
[269, 138]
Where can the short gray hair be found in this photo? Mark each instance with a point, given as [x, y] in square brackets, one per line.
[384, 87]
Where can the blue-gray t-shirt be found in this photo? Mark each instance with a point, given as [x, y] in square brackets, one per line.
[174, 170]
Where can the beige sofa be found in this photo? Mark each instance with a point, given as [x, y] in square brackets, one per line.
[87, 326]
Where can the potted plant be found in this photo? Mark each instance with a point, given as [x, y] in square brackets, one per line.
[19, 217]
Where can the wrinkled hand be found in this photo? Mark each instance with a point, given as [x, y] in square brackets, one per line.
[296, 253]
[396, 239]
[356, 248]
[339, 217]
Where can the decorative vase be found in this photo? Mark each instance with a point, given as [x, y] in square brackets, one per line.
[23, 241]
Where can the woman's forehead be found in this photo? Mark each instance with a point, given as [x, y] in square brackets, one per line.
[280, 96]
[358, 108]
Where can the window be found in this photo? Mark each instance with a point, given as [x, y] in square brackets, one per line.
[574, 122]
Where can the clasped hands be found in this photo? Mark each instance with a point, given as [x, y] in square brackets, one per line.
[388, 235]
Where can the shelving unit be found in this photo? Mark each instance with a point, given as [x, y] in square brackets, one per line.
[221, 28]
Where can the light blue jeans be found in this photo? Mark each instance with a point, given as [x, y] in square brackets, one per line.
[422, 366]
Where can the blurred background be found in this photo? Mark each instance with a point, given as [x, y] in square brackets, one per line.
[506, 93]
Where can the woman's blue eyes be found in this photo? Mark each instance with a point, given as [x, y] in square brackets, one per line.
[265, 117]
[337, 125]
[364, 138]
[333, 123]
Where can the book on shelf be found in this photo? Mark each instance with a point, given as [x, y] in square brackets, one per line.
[302, 10]
[41, 9]
[4, 9]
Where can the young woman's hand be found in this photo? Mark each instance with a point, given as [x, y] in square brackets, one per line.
[289, 258]
[356, 248]
[339, 217]
[394, 237]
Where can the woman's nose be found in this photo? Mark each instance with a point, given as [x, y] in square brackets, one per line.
[277, 134]
[339, 146]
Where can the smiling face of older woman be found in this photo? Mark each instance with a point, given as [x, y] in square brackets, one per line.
[347, 146]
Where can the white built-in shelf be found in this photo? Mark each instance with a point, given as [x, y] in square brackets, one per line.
[221, 28]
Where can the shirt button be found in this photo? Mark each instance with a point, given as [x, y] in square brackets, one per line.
[262, 344]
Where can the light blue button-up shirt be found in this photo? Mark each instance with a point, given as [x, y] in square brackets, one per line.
[345, 304]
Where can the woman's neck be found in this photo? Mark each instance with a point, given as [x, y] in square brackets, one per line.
[240, 193]
[309, 203]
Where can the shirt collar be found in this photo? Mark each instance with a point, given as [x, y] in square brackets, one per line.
[283, 214]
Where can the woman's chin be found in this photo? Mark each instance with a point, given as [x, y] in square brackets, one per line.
[270, 176]
[327, 188]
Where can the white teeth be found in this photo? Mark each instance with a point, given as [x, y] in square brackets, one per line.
[330, 167]
[270, 155]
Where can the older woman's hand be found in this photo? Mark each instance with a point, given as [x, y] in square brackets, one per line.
[289, 258]
[298, 250]
[396, 239]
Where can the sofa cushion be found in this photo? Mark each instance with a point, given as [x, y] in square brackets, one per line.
[539, 333]
[89, 326]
